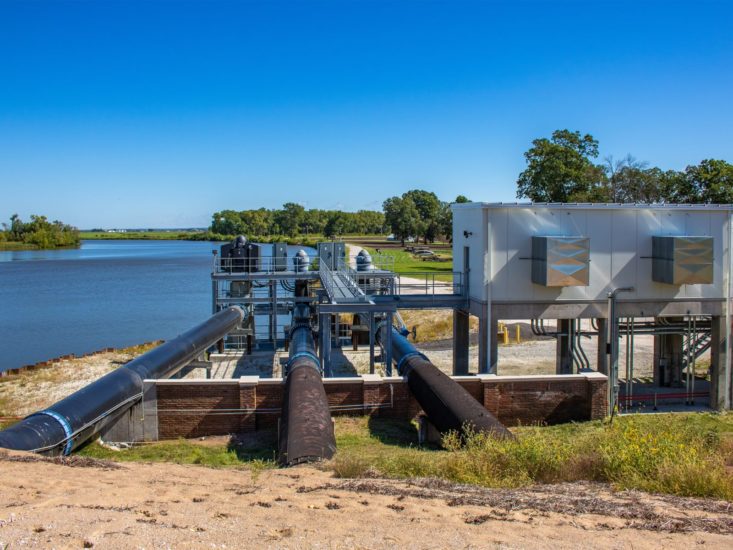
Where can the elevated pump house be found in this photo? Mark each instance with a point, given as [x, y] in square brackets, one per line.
[665, 265]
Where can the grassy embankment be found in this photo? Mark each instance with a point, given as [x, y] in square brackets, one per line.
[683, 454]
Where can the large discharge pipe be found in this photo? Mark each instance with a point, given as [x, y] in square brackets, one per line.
[446, 403]
[306, 430]
[69, 423]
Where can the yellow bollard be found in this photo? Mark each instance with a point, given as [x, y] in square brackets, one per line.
[519, 334]
[502, 333]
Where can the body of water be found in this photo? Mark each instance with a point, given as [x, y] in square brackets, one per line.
[104, 294]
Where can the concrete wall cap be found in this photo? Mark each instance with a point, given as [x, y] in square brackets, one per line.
[541, 377]
[249, 380]
[194, 381]
[343, 380]
[270, 381]
[371, 378]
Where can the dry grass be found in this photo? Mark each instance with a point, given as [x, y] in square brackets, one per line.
[29, 391]
[680, 454]
[433, 324]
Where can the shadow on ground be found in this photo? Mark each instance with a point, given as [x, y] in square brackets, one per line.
[260, 445]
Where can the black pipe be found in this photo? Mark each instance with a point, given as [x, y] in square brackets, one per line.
[70, 422]
[306, 430]
[448, 405]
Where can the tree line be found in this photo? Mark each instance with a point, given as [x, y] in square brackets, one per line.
[293, 219]
[40, 232]
[414, 214]
[563, 168]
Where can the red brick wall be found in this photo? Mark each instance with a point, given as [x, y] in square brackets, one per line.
[195, 408]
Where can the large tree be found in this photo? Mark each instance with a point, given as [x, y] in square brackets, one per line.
[711, 181]
[402, 216]
[560, 169]
[446, 216]
[289, 220]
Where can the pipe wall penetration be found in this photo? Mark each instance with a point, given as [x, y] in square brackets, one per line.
[448, 405]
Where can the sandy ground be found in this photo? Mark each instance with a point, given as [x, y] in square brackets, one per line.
[95, 504]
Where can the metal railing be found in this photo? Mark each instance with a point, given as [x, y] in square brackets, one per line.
[383, 261]
[428, 282]
[327, 279]
[261, 264]
[349, 276]
[340, 284]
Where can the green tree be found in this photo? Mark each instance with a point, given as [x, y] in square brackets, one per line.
[630, 181]
[428, 206]
[711, 181]
[402, 216]
[227, 222]
[560, 169]
[256, 222]
[336, 225]
[41, 232]
[446, 216]
[289, 220]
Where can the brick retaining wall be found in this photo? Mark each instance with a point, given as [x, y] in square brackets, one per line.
[196, 408]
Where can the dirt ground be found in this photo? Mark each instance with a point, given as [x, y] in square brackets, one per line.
[85, 503]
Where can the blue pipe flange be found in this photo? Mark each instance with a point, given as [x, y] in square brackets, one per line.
[406, 357]
[64, 424]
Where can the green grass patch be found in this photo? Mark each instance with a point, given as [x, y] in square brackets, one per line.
[254, 452]
[406, 263]
[686, 454]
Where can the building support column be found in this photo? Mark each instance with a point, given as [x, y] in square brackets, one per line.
[388, 346]
[460, 341]
[488, 344]
[668, 355]
[718, 357]
[602, 354]
[324, 343]
[564, 347]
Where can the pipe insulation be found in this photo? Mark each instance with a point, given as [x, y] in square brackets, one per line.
[306, 430]
[446, 403]
[70, 422]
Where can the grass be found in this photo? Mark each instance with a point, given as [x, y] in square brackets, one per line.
[256, 452]
[686, 454]
[432, 324]
[17, 245]
[681, 454]
[405, 263]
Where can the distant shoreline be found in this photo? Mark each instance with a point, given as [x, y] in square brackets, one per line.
[15, 245]
[156, 235]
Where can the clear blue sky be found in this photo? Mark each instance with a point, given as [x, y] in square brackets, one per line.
[157, 114]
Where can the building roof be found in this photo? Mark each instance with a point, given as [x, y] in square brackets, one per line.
[590, 206]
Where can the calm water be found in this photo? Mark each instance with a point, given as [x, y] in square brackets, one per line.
[105, 294]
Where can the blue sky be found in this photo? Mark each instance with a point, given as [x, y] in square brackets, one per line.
[125, 114]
